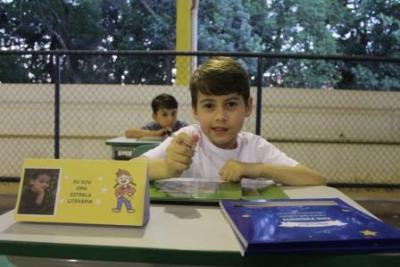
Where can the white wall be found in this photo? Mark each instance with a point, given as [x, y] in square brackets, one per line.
[92, 113]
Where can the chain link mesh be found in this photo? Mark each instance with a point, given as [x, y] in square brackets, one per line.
[349, 136]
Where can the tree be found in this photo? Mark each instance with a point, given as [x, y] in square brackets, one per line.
[225, 26]
[371, 28]
[146, 25]
[48, 25]
[296, 27]
[347, 27]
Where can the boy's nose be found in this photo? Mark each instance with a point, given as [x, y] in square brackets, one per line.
[220, 114]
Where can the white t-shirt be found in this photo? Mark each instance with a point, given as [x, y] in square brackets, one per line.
[209, 159]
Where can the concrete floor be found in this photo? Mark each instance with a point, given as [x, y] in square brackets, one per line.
[382, 202]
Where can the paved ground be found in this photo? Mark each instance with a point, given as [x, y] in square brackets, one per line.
[383, 203]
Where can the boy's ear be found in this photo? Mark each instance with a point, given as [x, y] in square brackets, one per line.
[249, 107]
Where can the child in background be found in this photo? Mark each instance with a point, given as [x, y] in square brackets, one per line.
[33, 199]
[165, 111]
[216, 148]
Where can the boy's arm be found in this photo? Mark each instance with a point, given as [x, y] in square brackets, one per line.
[159, 169]
[296, 175]
[288, 175]
[138, 133]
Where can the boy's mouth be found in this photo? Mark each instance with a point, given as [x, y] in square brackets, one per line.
[219, 130]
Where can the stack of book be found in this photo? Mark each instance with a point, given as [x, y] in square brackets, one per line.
[307, 226]
[213, 190]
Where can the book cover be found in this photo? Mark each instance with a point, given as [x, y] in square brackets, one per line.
[307, 225]
[83, 191]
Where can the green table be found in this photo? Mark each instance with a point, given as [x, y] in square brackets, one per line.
[200, 191]
[123, 148]
[175, 234]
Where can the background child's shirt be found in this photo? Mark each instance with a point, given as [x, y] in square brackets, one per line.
[209, 159]
[153, 126]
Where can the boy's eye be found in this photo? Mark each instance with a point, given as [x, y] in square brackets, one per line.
[208, 106]
[232, 104]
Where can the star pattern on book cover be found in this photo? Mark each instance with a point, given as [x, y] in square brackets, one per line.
[367, 232]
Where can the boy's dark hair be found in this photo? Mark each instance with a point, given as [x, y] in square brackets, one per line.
[220, 76]
[163, 101]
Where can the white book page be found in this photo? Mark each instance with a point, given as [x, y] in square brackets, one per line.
[256, 183]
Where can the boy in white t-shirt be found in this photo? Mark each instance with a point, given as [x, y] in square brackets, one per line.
[215, 148]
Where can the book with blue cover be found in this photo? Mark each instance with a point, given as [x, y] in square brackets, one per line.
[307, 226]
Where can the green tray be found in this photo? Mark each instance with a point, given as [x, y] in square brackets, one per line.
[211, 192]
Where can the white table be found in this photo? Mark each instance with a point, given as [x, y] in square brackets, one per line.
[175, 234]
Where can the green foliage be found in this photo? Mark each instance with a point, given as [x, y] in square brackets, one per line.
[49, 24]
[296, 27]
[10, 66]
[146, 25]
[224, 26]
[348, 27]
[371, 28]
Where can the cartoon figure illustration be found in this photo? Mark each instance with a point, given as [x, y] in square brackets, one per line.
[124, 190]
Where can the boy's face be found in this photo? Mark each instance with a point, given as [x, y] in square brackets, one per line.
[221, 117]
[41, 182]
[165, 117]
[124, 179]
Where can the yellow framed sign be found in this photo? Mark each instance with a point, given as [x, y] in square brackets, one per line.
[105, 192]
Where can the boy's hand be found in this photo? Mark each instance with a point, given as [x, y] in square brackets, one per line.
[38, 190]
[180, 152]
[233, 170]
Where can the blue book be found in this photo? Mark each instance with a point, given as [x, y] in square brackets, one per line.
[307, 226]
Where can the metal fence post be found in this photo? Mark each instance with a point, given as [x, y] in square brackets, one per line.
[57, 108]
[259, 95]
